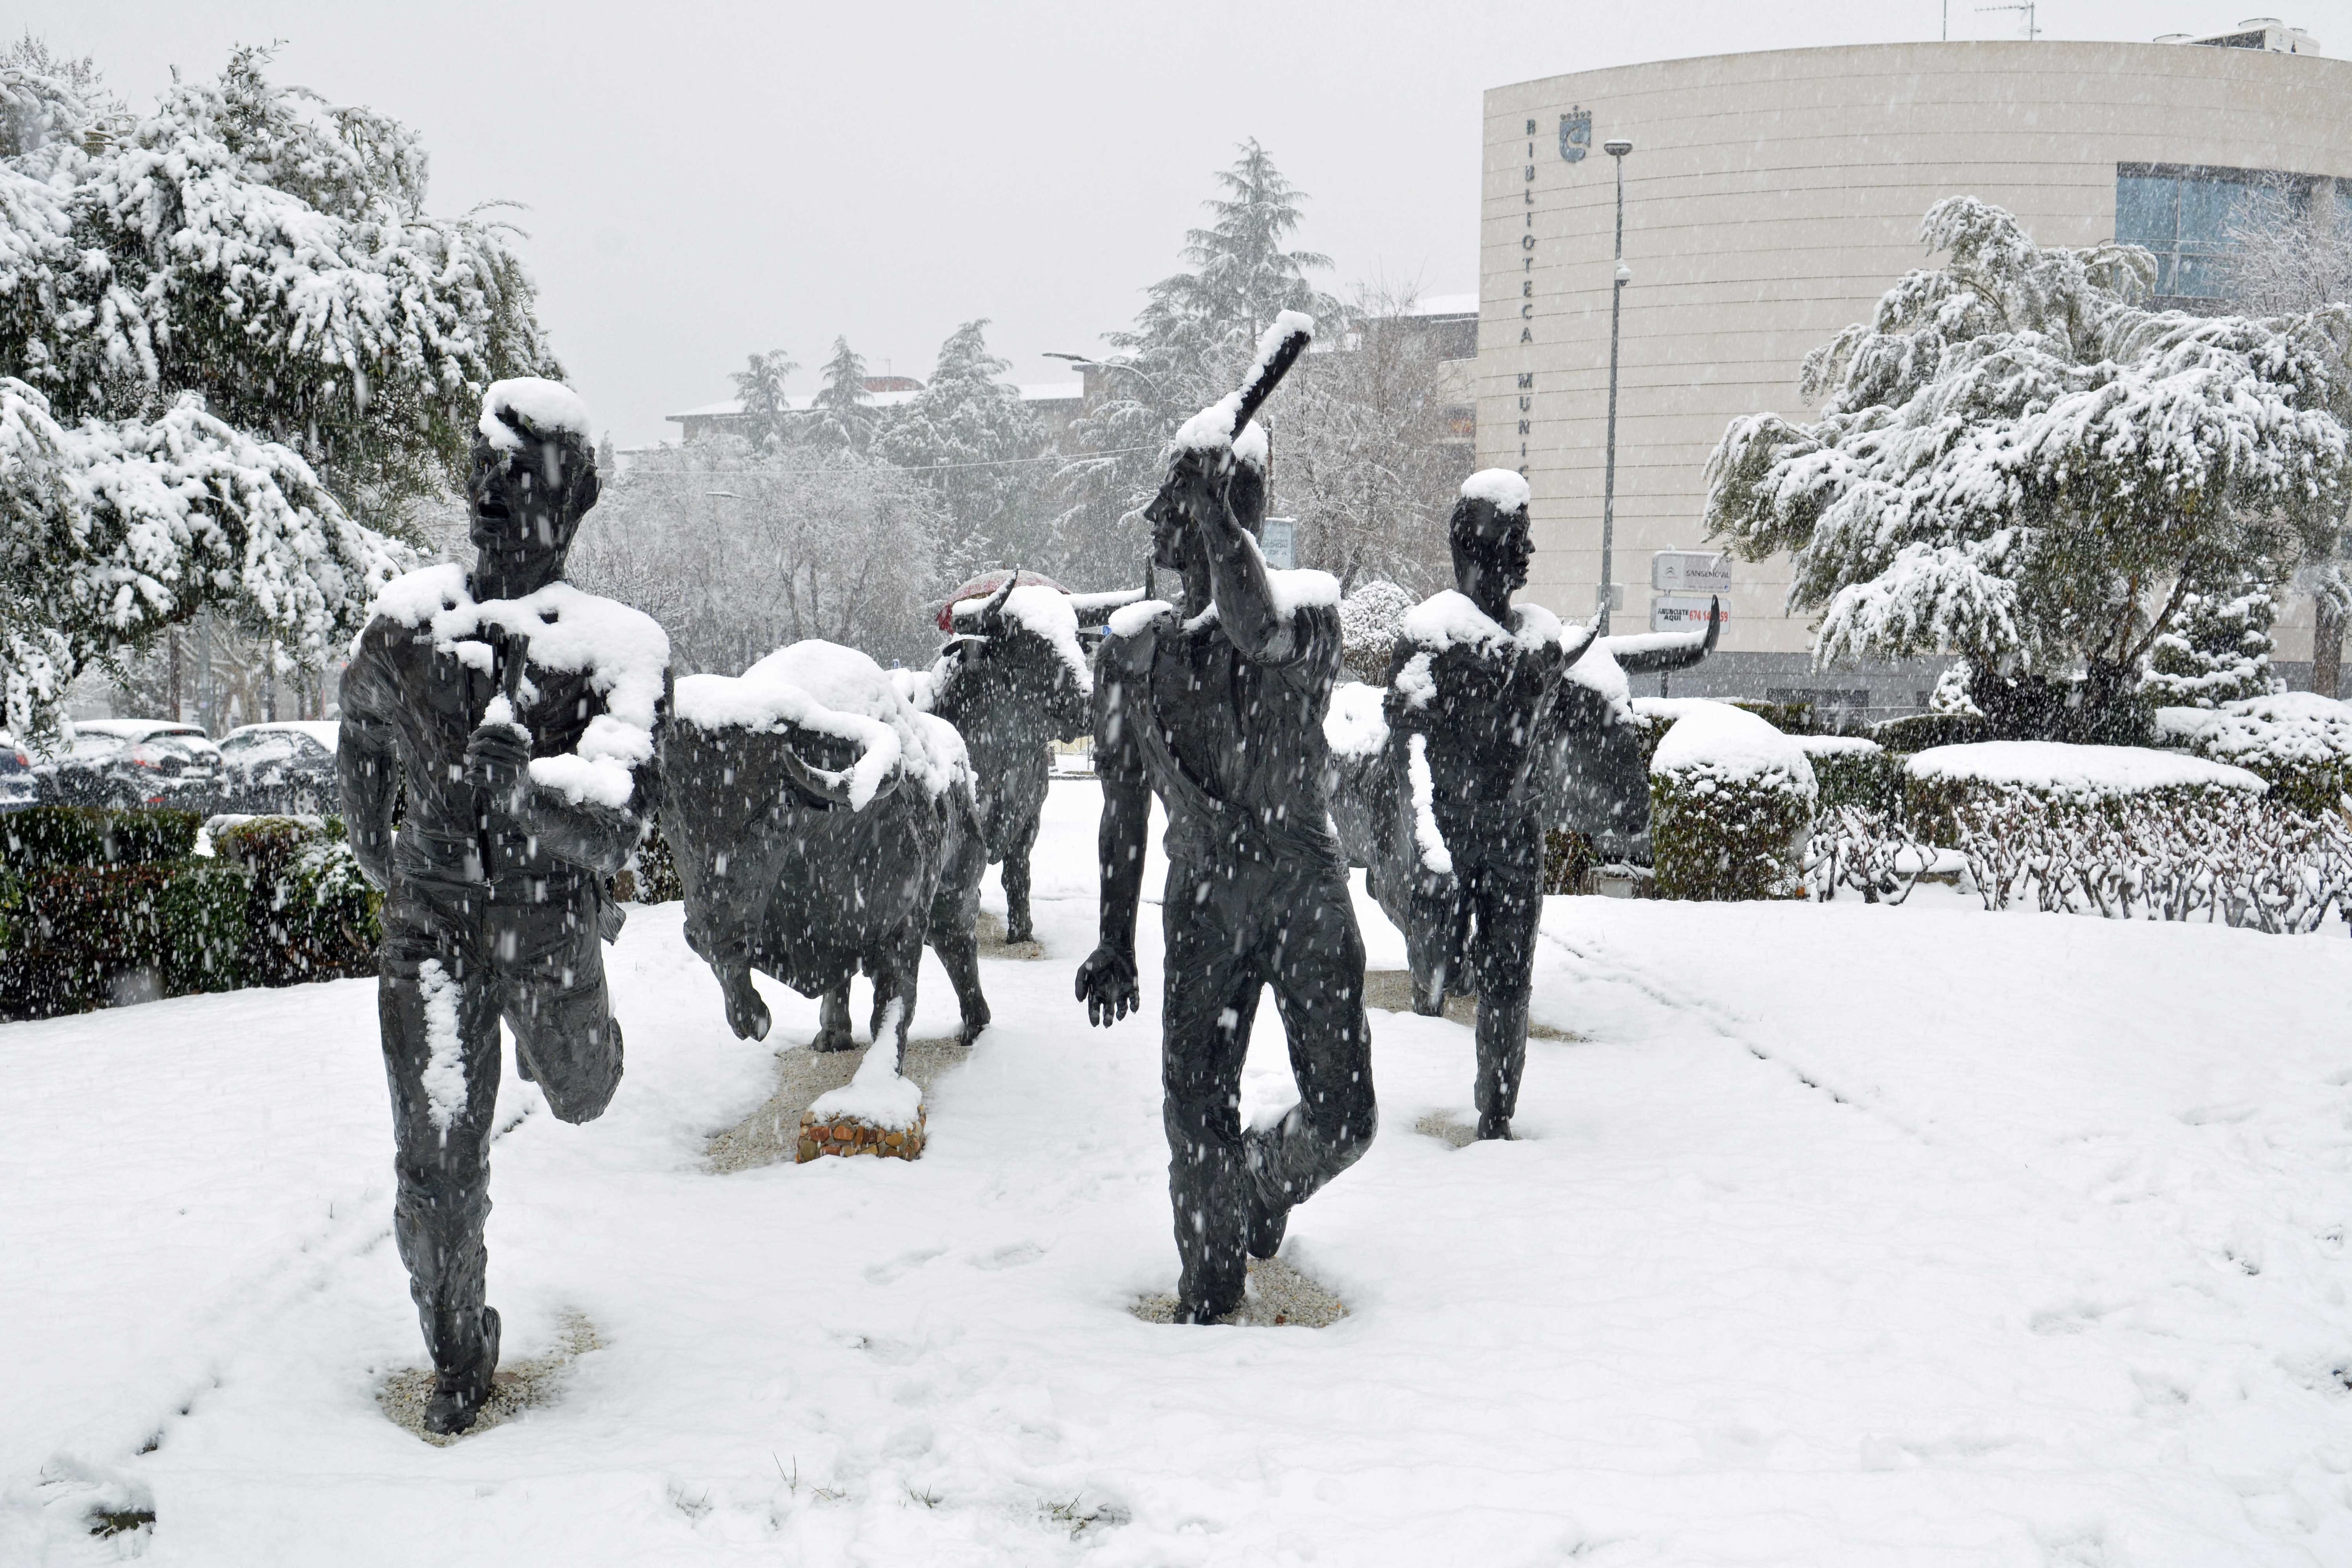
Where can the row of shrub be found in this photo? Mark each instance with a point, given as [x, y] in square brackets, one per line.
[103, 906]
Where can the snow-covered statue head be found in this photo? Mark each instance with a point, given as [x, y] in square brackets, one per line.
[1230, 474]
[1492, 538]
[534, 478]
[1217, 463]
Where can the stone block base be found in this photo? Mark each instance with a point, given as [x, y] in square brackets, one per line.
[850, 1135]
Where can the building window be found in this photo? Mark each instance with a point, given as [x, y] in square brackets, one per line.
[2184, 214]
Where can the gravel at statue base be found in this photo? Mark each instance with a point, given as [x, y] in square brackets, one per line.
[1849, 1237]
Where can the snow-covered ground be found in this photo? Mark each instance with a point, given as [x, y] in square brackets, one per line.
[1849, 1237]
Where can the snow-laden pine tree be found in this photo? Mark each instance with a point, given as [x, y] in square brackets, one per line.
[968, 440]
[231, 328]
[842, 420]
[1188, 347]
[2017, 462]
[2219, 647]
[761, 386]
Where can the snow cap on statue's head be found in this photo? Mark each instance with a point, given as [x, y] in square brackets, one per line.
[1502, 489]
[533, 406]
[1210, 431]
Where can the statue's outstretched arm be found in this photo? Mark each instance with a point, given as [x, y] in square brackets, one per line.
[367, 757]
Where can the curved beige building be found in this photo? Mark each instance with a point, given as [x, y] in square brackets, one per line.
[1770, 200]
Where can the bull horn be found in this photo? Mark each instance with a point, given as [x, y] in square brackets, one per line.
[1592, 635]
[1652, 661]
[995, 605]
[824, 789]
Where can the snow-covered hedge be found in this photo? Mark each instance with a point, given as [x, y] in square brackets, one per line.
[312, 915]
[1731, 807]
[2298, 742]
[93, 901]
[1945, 781]
[1851, 771]
[98, 905]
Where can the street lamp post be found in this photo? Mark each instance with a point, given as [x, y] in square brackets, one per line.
[1616, 150]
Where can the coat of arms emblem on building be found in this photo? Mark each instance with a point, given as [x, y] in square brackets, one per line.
[1576, 134]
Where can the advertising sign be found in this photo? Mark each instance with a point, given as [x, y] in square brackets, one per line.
[1675, 612]
[1690, 572]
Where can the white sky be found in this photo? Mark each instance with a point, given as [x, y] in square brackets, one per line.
[706, 180]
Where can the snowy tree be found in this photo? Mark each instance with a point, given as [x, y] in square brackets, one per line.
[761, 386]
[111, 531]
[738, 553]
[249, 243]
[842, 420]
[1188, 347]
[2017, 462]
[1370, 620]
[968, 440]
[2219, 648]
[1369, 461]
[232, 329]
[2290, 253]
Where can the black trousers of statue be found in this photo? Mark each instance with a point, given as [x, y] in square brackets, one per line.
[1497, 905]
[1228, 936]
[456, 961]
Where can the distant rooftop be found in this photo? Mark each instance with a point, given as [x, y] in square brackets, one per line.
[2266, 33]
[1045, 392]
[1446, 305]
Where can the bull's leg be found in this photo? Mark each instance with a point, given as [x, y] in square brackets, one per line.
[833, 1021]
[1016, 880]
[894, 996]
[954, 909]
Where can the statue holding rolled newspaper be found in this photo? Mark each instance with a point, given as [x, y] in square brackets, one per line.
[519, 715]
[1217, 707]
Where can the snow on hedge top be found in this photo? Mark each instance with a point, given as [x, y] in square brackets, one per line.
[623, 652]
[1450, 617]
[1504, 488]
[1354, 724]
[545, 408]
[2081, 771]
[1046, 612]
[1727, 743]
[1835, 745]
[2288, 727]
[833, 691]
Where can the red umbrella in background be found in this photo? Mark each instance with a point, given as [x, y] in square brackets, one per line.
[988, 583]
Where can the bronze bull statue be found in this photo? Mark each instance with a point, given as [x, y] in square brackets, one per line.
[819, 823]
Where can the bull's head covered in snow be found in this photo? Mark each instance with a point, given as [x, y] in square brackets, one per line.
[1013, 672]
[811, 810]
[534, 478]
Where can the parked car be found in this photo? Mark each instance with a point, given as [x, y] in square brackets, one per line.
[119, 762]
[18, 786]
[286, 767]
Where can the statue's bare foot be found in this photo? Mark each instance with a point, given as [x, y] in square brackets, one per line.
[1494, 1127]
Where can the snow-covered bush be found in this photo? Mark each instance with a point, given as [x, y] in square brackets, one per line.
[1851, 771]
[2299, 742]
[1732, 802]
[2017, 462]
[1945, 781]
[1370, 620]
[95, 902]
[651, 875]
[311, 915]
[1921, 731]
[46, 837]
